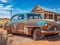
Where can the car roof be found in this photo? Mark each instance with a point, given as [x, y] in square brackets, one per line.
[23, 13]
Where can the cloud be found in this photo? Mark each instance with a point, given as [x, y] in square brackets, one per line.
[58, 8]
[5, 11]
[18, 10]
[4, 1]
[9, 7]
[4, 14]
[1, 5]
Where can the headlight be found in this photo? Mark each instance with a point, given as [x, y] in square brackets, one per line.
[46, 25]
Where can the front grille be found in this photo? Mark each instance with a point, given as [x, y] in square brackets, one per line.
[53, 29]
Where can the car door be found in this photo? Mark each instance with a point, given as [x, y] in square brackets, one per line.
[20, 24]
[14, 23]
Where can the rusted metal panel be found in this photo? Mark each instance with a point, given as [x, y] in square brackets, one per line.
[26, 26]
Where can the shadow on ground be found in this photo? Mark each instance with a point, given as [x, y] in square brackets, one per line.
[48, 37]
[52, 38]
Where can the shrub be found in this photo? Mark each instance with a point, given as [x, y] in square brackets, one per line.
[1, 25]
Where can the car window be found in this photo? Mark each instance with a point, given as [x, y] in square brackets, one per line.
[34, 16]
[21, 16]
[15, 17]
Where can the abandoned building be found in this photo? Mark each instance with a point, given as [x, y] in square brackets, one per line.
[46, 14]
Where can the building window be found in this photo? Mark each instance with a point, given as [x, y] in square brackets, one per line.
[50, 16]
[46, 16]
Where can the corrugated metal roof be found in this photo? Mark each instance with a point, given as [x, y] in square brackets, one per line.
[47, 9]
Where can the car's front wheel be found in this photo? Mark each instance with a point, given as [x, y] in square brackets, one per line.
[37, 34]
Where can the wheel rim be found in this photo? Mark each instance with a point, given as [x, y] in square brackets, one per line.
[38, 35]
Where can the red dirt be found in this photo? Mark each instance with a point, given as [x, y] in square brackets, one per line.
[27, 40]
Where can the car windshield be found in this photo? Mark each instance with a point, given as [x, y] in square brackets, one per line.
[17, 17]
[21, 16]
[34, 16]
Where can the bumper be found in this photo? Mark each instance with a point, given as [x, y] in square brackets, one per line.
[50, 32]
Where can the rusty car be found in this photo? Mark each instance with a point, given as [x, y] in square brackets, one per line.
[32, 24]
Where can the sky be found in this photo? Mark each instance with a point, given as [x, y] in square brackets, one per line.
[20, 6]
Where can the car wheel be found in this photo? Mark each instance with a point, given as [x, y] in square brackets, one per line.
[37, 34]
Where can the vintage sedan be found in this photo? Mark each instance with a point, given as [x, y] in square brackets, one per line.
[31, 24]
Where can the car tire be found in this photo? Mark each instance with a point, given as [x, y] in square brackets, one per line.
[37, 35]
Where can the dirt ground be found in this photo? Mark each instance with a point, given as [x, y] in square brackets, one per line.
[27, 40]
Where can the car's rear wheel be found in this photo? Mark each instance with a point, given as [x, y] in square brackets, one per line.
[37, 34]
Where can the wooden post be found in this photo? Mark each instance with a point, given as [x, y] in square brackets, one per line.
[42, 15]
[53, 16]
